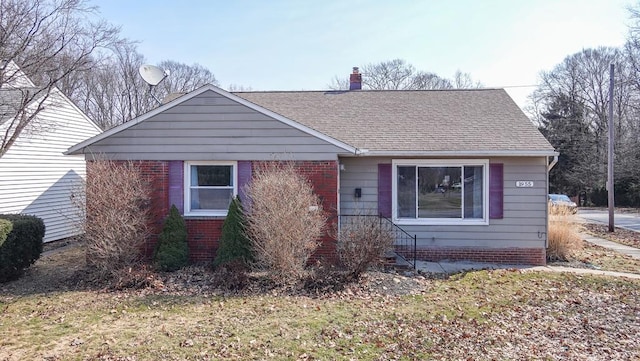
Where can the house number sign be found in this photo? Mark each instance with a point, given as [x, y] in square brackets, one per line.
[524, 184]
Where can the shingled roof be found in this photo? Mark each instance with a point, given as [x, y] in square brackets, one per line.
[474, 121]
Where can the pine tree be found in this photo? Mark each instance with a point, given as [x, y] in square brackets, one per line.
[172, 251]
[234, 244]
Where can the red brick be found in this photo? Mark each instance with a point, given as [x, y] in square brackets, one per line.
[530, 256]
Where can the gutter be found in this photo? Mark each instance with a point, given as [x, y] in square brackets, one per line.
[455, 153]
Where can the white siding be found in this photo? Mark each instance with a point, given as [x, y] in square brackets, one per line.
[36, 178]
[524, 222]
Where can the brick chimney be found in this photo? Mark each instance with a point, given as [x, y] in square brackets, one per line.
[355, 80]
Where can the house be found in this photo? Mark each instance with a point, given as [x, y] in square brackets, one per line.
[35, 176]
[465, 171]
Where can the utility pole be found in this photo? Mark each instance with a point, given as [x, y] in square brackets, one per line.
[610, 181]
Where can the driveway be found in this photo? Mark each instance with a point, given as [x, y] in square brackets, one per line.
[630, 221]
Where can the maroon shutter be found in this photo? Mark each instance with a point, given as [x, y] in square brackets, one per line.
[176, 181]
[244, 177]
[496, 190]
[384, 189]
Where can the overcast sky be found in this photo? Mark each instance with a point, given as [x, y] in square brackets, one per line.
[303, 45]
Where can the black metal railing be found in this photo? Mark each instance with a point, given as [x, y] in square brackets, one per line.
[404, 245]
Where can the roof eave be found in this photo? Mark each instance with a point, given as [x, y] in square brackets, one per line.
[459, 153]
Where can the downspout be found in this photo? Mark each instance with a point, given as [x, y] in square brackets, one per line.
[549, 167]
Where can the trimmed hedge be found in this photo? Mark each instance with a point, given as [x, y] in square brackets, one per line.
[22, 246]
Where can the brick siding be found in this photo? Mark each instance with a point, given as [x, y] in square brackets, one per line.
[529, 256]
[204, 232]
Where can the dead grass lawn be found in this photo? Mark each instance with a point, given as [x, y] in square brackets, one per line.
[477, 315]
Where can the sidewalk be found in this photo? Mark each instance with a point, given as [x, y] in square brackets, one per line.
[456, 267]
[621, 248]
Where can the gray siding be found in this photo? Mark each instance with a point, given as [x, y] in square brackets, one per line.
[212, 127]
[524, 222]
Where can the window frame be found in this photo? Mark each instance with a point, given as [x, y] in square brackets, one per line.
[187, 188]
[441, 163]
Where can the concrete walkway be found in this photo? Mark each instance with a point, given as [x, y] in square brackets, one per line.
[456, 267]
[620, 248]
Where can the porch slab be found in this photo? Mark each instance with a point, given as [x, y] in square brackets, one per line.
[462, 266]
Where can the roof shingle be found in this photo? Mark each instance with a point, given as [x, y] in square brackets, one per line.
[415, 121]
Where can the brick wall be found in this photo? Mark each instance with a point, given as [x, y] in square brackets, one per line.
[204, 233]
[529, 256]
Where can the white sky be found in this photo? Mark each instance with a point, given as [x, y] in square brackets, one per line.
[303, 45]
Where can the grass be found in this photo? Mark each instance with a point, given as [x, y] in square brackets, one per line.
[483, 315]
[480, 315]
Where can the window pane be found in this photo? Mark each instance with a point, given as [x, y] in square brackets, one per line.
[407, 192]
[211, 175]
[473, 206]
[439, 194]
[217, 199]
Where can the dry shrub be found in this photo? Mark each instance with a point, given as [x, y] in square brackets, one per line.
[284, 220]
[563, 234]
[117, 200]
[362, 242]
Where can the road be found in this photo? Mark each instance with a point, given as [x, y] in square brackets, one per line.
[629, 221]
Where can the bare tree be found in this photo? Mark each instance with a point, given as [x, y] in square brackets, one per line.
[184, 78]
[572, 103]
[465, 81]
[114, 92]
[397, 74]
[49, 40]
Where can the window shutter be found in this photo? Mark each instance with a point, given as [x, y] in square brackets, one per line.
[384, 189]
[496, 190]
[244, 177]
[176, 186]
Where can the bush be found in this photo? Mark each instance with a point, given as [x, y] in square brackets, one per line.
[234, 244]
[284, 220]
[563, 235]
[5, 227]
[22, 245]
[362, 242]
[172, 250]
[117, 214]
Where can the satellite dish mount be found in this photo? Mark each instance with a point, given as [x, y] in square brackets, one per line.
[153, 76]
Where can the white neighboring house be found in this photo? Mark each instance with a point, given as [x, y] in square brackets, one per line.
[35, 177]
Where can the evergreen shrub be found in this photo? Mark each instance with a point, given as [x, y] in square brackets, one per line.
[22, 245]
[172, 250]
[234, 246]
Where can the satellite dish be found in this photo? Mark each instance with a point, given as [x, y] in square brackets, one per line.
[152, 74]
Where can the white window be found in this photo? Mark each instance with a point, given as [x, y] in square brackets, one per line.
[209, 188]
[440, 191]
